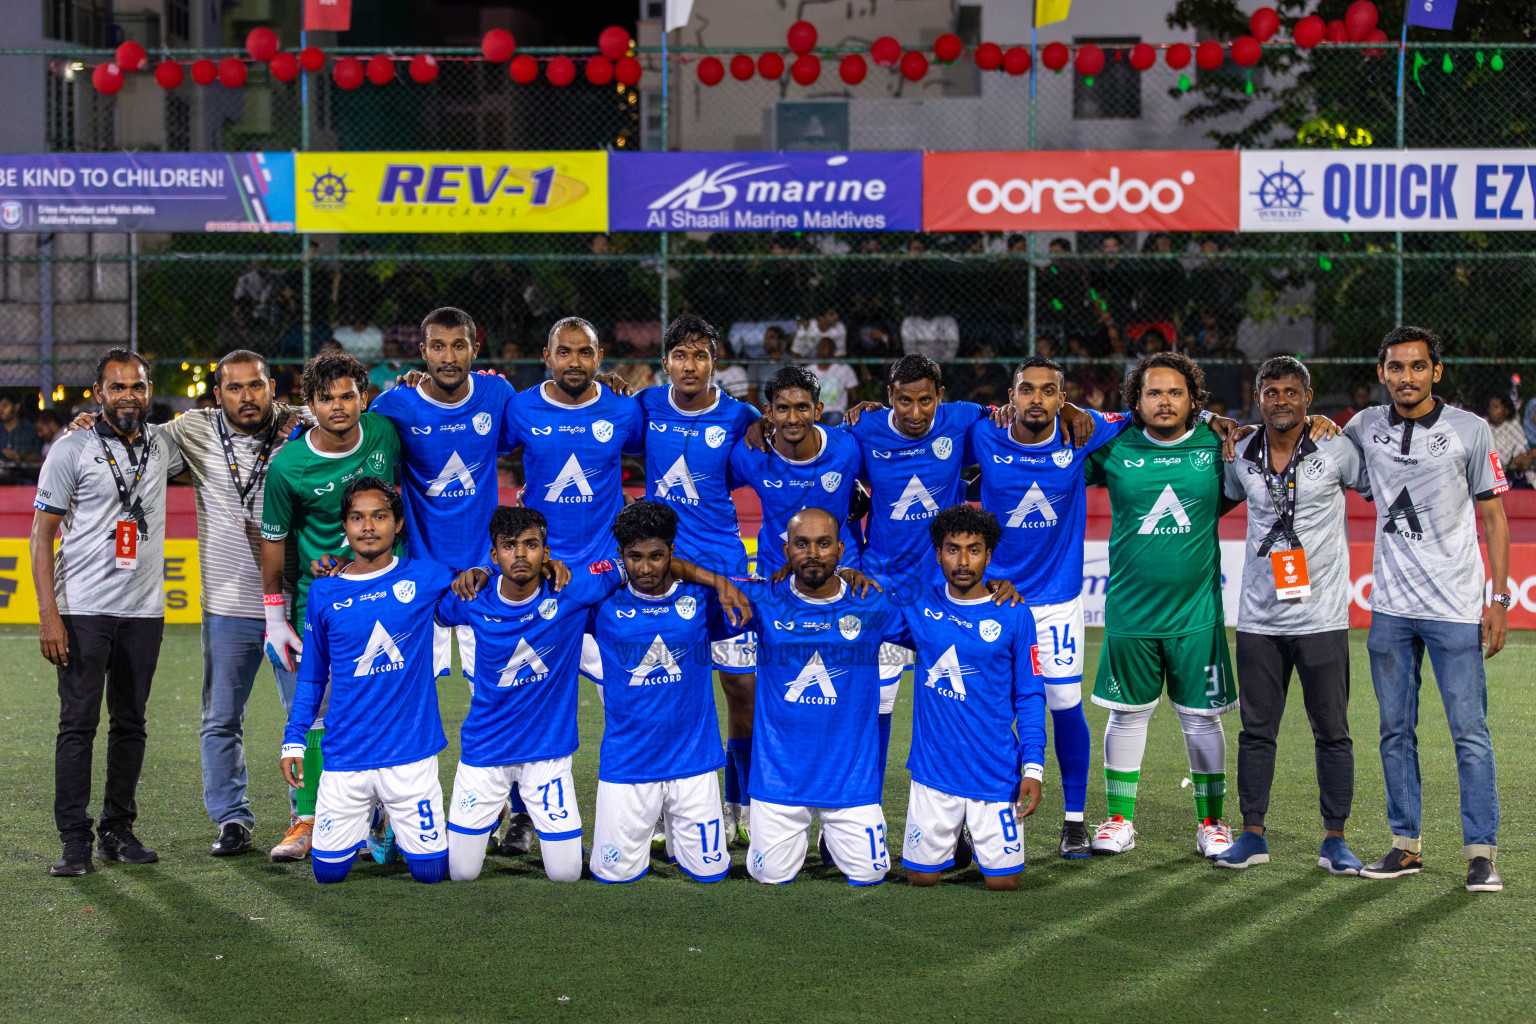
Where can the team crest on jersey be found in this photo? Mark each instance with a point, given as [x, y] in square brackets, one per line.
[405, 591]
[849, 626]
[942, 447]
[610, 855]
[714, 437]
[548, 607]
[1439, 444]
[829, 481]
[1202, 460]
[990, 629]
[324, 824]
[482, 422]
[602, 430]
[914, 835]
[467, 801]
[1063, 458]
[377, 462]
[1314, 468]
[686, 606]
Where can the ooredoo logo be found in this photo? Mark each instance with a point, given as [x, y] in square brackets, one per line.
[1071, 195]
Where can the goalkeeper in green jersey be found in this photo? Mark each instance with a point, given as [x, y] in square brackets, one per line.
[1163, 615]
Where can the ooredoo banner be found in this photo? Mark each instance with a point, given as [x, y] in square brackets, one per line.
[1080, 191]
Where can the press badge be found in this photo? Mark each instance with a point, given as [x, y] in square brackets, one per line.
[127, 543]
[1291, 580]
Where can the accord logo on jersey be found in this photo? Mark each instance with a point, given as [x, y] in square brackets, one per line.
[602, 430]
[454, 471]
[380, 642]
[1167, 504]
[914, 494]
[942, 447]
[571, 475]
[680, 477]
[1034, 500]
[657, 657]
[849, 626]
[524, 657]
[949, 670]
[714, 437]
[405, 591]
[482, 422]
[686, 606]
[813, 674]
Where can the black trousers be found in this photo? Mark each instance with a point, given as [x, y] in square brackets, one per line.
[1264, 665]
[118, 656]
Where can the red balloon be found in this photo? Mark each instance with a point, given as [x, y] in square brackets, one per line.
[131, 57]
[204, 72]
[1246, 51]
[381, 70]
[913, 65]
[348, 73]
[599, 70]
[1055, 56]
[561, 71]
[948, 48]
[311, 58]
[628, 71]
[524, 69]
[423, 69]
[771, 66]
[1090, 60]
[497, 46]
[107, 78]
[1309, 31]
[1143, 56]
[807, 69]
[885, 51]
[989, 56]
[711, 71]
[261, 44]
[1359, 19]
[742, 67]
[232, 72]
[613, 42]
[852, 69]
[1375, 35]
[802, 37]
[1264, 23]
[168, 74]
[1177, 56]
[1337, 32]
[1209, 55]
[284, 66]
[1016, 61]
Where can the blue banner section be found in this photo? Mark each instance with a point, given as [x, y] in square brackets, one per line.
[147, 192]
[1439, 14]
[871, 191]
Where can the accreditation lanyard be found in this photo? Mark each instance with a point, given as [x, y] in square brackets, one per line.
[1290, 565]
[244, 490]
[126, 536]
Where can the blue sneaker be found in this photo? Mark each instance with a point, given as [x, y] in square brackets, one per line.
[1335, 856]
[1248, 848]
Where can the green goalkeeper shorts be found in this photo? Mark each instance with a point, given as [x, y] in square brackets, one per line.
[1197, 667]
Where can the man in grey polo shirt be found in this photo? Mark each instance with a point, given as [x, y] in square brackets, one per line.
[101, 602]
[1294, 608]
[1434, 470]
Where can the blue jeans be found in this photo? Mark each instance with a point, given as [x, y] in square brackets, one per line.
[232, 655]
[1397, 647]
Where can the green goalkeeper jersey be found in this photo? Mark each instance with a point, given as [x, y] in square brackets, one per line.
[1164, 559]
[304, 488]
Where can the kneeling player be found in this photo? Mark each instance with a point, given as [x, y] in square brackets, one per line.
[661, 745]
[372, 625]
[977, 672]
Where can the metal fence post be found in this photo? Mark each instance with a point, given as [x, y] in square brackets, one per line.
[666, 144]
[307, 270]
[133, 291]
[45, 317]
[1397, 283]
[1033, 110]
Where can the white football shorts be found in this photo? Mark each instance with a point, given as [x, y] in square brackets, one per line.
[894, 661]
[736, 655]
[546, 787]
[690, 812]
[933, 827]
[442, 648]
[781, 836]
[1059, 630]
[412, 797]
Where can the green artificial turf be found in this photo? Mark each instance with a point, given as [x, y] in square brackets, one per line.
[1154, 935]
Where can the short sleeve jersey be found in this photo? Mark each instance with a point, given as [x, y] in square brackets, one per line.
[76, 482]
[659, 683]
[1427, 475]
[448, 467]
[523, 666]
[976, 675]
[687, 466]
[1036, 492]
[1164, 557]
[573, 465]
[783, 487]
[1323, 470]
[370, 638]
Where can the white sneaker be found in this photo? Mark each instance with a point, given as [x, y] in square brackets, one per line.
[1212, 838]
[1116, 835]
[744, 825]
[728, 822]
[659, 833]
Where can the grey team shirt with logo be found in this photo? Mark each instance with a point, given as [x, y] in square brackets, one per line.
[1428, 565]
[1323, 471]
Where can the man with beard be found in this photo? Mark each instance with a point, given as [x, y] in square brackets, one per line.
[102, 605]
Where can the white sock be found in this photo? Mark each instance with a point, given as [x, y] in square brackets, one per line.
[562, 859]
[1125, 739]
[1074, 816]
[466, 855]
[1205, 742]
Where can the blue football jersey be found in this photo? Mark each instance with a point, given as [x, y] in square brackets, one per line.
[1036, 492]
[784, 488]
[370, 638]
[976, 674]
[687, 465]
[815, 729]
[910, 481]
[449, 483]
[659, 683]
[523, 666]
[573, 465]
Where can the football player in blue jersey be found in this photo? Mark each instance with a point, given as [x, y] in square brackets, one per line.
[977, 675]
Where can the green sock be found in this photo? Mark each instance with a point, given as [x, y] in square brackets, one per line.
[1210, 794]
[314, 764]
[1120, 790]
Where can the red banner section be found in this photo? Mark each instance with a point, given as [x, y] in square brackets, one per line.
[1081, 191]
[327, 15]
[1522, 584]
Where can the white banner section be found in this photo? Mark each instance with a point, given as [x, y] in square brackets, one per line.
[1096, 579]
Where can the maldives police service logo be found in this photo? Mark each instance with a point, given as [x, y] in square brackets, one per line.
[548, 607]
[1063, 458]
[482, 422]
[1202, 460]
[714, 437]
[849, 626]
[602, 430]
[990, 629]
[686, 606]
[405, 590]
[829, 481]
[942, 447]
[377, 462]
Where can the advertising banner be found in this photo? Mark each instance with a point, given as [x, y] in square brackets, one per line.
[380, 193]
[1389, 190]
[1080, 191]
[18, 598]
[766, 191]
[146, 192]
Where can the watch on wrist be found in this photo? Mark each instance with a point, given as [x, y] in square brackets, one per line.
[1503, 599]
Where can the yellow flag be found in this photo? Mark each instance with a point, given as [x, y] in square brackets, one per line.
[1047, 11]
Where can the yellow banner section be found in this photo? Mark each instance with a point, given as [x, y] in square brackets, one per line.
[422, 192]
[183, 585]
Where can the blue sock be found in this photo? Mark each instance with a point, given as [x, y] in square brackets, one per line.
[429, 869]
[732, 777]
[332, 871]
[885, 746]
[739, 750]
[518, 807]
[1073, 751]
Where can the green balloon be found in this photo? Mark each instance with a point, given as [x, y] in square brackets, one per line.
[1498, 62]
[1446, 65]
